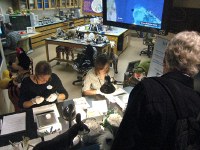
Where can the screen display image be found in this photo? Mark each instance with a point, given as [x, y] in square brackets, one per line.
[134, 13]
[2, 31]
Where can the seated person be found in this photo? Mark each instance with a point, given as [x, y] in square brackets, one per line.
[42, 88]
[21, 65]
[12, 37]
[95, 77]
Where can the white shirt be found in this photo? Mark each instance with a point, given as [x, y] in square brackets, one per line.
[93, 81]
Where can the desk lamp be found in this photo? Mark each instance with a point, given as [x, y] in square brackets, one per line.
[107, 87]
[69, 113]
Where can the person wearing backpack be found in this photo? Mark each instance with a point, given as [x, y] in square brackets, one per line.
[162, 112]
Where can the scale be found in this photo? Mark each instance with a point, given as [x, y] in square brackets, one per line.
[47, 122]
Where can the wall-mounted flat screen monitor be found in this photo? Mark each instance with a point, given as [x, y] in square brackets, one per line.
[20, 22]
[144, 15]
[92, 7]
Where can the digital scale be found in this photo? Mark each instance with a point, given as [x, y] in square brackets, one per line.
[47, 122]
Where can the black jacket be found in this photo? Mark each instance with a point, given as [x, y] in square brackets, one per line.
[149, 120]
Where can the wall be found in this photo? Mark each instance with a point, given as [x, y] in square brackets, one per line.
[187, 3]
[50, 13]
[5, 104]
[4, 4]
[46, 13]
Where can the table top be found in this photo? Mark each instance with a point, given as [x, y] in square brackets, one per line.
[31, 127]
[76, 41]
[115, 31]
[29, 35]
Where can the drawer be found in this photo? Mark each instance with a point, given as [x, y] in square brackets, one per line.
[112, 38]
[35, 40]
[41, 43]
[39, 29]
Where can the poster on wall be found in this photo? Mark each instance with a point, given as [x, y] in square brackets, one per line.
[156, 65]
[92, 7]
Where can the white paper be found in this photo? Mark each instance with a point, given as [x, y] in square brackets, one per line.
[119, 91]
[120, 103]
[13, 123]
[81, 102]
[82, 112]
[101, 106]
[8, 147]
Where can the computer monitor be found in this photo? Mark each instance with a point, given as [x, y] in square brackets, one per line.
[143, 15]
[20, 22]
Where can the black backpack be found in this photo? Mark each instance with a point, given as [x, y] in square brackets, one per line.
[187, 128]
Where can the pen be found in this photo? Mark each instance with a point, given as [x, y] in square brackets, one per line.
[0, 125]
[13, 145]
[51, 129]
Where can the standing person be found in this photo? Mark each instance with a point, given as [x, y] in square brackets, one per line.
[95, 77]
[149, 122]
[42, 88]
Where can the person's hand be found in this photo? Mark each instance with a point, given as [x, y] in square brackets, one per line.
[37, 100]
[52, 97]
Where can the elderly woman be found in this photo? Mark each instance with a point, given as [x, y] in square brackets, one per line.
[151, 115]
[95, 77]
[42, 88]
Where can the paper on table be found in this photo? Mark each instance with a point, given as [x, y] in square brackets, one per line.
[101, 106]
[122, 100]
[119, 91]
[7, 147]
[81, 102]
[13, 123]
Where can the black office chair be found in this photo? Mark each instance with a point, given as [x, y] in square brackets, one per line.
[148, 40]
[84, 62]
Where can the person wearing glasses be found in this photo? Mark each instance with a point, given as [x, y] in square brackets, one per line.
[44, 87]
[95, 77]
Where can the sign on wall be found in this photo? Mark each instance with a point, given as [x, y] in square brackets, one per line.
[92, 6]
[156, 65]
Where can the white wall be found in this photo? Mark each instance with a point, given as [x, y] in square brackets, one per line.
[4, 4]
[5, 104]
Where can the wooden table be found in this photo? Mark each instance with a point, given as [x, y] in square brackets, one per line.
[71, 44]
[120, 36]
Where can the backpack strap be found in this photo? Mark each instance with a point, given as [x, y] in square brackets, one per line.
[177, 108]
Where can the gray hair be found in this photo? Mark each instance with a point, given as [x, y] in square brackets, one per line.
[183, 53]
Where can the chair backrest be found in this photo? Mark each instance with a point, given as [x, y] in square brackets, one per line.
[24, 43]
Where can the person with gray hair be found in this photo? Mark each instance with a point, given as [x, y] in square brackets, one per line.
[156, 104]
[44, 87]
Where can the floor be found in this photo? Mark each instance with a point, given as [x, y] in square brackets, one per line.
[68, 75]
